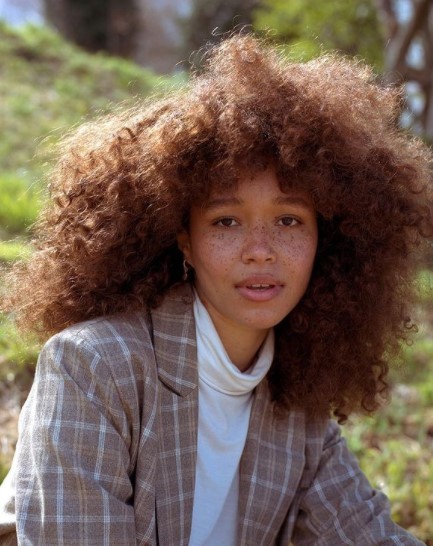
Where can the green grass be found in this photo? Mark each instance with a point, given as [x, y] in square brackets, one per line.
[425, 284]
[19, 204]
[10, 251]
[18, 355]
[47, 85]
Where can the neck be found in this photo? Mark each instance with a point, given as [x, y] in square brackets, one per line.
[242, 350]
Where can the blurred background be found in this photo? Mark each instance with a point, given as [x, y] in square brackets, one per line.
[64, 61]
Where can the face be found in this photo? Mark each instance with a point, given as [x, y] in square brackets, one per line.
[252, 251]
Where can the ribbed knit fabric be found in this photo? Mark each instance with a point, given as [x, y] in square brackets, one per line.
[225, 399]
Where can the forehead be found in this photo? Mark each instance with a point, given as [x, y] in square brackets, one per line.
[255, 183]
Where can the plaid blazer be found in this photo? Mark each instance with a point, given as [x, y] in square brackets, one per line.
[107, 450]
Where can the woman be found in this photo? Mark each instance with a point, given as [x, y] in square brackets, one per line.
[222, 270]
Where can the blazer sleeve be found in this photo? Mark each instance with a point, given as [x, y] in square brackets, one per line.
[340, 506]
[72, 469]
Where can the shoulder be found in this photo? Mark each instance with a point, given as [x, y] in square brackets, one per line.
[105, 358]
[109, 338]
[321, 433]
[122, 331]
[119, 344]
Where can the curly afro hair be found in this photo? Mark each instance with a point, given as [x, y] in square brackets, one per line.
[123, 187]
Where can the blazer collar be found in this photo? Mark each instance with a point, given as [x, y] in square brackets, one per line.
[174, 340]
[176, 361]
[271, 469]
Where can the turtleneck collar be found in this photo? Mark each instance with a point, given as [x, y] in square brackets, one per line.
[214, 365]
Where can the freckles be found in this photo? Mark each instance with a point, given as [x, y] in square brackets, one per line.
[298, 250]
[214, 254]
[223, 243]
[218, 238]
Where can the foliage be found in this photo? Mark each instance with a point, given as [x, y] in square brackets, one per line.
[349, 26]
[46, 86]
[394, 446]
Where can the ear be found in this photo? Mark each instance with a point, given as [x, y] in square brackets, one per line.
[184, 245]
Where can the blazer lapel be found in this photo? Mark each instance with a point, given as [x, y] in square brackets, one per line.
[176, 360]
[270, 471]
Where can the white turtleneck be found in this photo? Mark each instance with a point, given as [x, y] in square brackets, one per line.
[225, 400]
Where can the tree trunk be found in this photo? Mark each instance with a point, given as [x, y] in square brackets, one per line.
[96, 25]
[409, 57]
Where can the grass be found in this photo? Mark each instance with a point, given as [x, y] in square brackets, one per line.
[17, 355]
[20, 203]
[17, 363]
[48, 85]
[11, 251]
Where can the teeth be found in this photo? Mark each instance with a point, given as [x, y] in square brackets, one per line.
[260, 286]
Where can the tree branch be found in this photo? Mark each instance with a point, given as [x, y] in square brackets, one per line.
[398, 47]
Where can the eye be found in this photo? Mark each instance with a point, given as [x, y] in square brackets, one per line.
[287, 221]
[226, 222]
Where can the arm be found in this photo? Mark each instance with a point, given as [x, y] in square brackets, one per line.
[340, 506]
[73, 465]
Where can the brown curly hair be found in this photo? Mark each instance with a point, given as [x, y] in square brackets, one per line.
[123, 187]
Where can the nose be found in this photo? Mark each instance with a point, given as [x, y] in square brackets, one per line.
[258, 247]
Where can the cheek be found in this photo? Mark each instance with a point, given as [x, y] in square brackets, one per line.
[306, 259]
[299, 251]
[213, 249]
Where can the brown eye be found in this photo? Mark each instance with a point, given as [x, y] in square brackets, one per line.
[287, 221]
[226, 222]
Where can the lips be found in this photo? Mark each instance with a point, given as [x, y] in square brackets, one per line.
[260, 288]
[259, 281]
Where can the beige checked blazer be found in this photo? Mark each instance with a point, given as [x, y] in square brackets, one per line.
[107, 450]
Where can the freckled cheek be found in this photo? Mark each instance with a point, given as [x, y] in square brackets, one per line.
[298, 251]
[222, 246]
[213, 255]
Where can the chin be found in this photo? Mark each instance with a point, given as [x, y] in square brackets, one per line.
[264, 322]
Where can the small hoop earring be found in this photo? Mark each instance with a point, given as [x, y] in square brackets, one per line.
[186, 269]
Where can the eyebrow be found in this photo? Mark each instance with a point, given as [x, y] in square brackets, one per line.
[219, 202]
